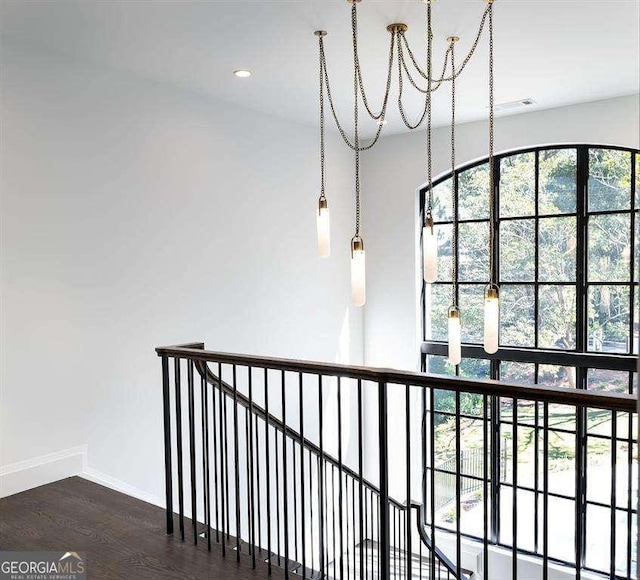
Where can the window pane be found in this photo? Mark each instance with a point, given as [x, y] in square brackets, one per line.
[515, 372]
[609, 247]
[473, 245]
[439, 298]
[557, 178]
[606, 380]
[517, 250]
[608, 318]
[557, 376]
[474, 368]
[609, 179]
[442, 202]
[443, 233]
[438, 365]
[473, 190]
[517, 185]
[471, 298]
[557, 317]
[557, 258]
[517, 315]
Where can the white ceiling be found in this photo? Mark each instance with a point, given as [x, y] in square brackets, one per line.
[557, 52]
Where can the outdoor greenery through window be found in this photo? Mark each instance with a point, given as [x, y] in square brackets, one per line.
[567, 262]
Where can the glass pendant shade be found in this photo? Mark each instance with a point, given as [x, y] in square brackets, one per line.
[324, 228]
[358, 294]
[429, 251]
[455, 347]
[491, 318]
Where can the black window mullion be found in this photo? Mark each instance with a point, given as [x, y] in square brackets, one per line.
[581, 247]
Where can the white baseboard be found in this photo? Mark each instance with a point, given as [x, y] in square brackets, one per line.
[24, 475]
[105, 480]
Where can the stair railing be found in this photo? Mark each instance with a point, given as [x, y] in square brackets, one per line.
[289, 464]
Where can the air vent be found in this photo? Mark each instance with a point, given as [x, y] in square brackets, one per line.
[514, 104]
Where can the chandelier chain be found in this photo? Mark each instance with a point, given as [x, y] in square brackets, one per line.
[438, 82]
[454, 73]
[429, 119]
[492, 193]
[365, 101]
[403, 113]
[322, 170]
[356, 137]
[454, 189]
[332, 108]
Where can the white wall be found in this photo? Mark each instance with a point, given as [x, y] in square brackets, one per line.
[396, 168]
[136, 215]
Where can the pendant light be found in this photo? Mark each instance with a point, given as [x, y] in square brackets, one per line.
[454, 318]
[358, 269]
[429, 236]
[492, 291]
[323, 223]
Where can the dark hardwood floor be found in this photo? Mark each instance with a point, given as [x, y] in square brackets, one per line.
[123, 538]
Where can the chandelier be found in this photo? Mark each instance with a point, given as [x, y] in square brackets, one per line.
[423, 80]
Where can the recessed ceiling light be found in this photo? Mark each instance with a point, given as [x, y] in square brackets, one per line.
[243, 74]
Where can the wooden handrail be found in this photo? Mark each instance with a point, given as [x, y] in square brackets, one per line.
[556, 395]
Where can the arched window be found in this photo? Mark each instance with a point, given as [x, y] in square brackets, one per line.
[566, 257]
[567, 262]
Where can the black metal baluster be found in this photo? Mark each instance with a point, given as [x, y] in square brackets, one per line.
[545, 496]
[178, 392]
[458, 488]
[333, 517]
[379, 536]
[251, 472]
[514, 507]
[258, 486]
[205, 453]
[302, 488]
[362, 514]
[236, 469]
[313, 563]
[284, 477]
[485, 486]
[536, 485]
[192, 451]
[268, 463]
[353, 523]
[168, 472]
[340, 501]
[321, 487]
[344, 514]
[226, 465]
[277, 455]
[294, 480]
[248, 482]
[224, 472]
[581, 467]
[432, 490]
[217, 487]
[384, 481]
[614, 481]
[630, 471]
[408, 460]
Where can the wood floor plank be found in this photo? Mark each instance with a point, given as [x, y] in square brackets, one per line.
[123, 538]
